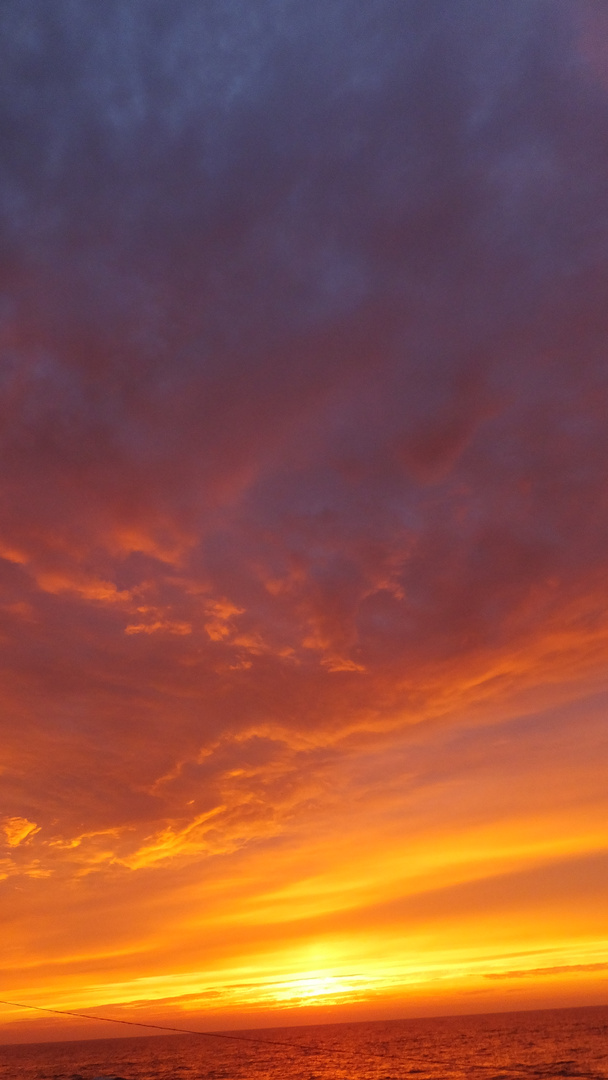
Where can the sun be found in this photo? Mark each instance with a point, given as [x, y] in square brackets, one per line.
[316, 987]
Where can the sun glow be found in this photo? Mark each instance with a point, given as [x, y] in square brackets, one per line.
[317, 987]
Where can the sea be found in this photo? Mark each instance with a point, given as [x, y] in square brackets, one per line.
[501, 1046]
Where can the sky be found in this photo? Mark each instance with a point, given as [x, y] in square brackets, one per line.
[303, 577]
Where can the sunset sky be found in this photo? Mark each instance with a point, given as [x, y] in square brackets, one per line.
[304, 510]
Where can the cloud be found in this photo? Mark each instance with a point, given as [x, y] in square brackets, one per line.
[560, 969]
[302, 410]
[18, 830]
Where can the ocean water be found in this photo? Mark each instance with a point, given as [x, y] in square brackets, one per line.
[504, 1046]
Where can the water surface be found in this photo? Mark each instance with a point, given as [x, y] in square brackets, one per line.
[501, 1046]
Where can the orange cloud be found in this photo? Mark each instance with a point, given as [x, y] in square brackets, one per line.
[18, 830]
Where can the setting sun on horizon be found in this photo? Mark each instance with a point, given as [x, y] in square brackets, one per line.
[304, 584]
